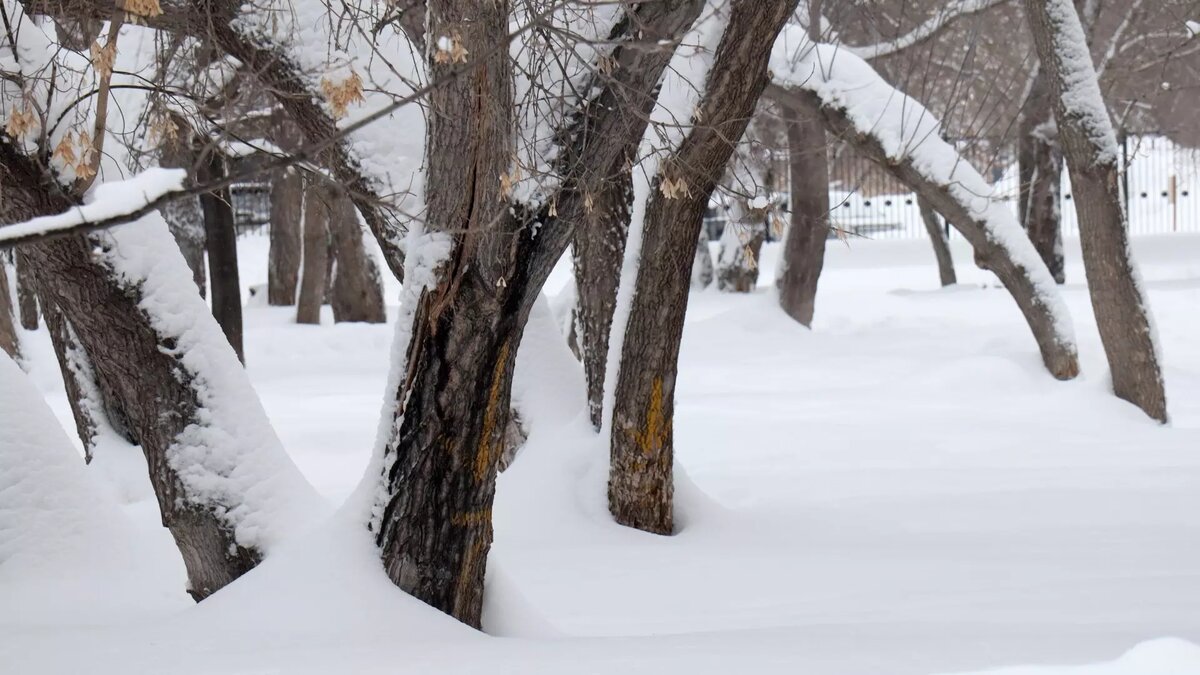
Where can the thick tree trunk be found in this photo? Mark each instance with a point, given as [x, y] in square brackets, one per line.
[283, 268]
[452, 397]
[737, 262]
[703, 269]
[220, 233]
[641, 480]
[1090, 148]
[9, 343]
[804, 246]
[941, 245]
[316, 254]
[27, 291]
[1040, 165]
[357, 289]
[599, 251]
[159, 375]
[1034, 293]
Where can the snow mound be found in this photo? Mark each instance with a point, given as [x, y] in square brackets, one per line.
[1164, 656]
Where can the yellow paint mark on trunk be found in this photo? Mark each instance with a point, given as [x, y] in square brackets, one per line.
[485, 456]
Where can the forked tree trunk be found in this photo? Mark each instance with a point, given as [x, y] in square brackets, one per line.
[1090, 148]
[641, 476]
[1040, 165]
[27, 291]
[941, 244]
[9, 342]
[316, 254]
[599, 250]
[1032, 288]
[357, 287]
[439, 465]
[703, 269]
[804, 245]
[283, 267]
[737, 262]
[220, 232]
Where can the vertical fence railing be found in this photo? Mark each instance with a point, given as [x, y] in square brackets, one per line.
[1160, 181]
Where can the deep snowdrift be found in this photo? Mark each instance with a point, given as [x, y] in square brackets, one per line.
[900, 490]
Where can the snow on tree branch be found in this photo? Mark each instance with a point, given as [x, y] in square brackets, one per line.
[113, 203]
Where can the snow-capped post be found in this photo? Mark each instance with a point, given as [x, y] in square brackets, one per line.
[900, 135]
[754, 206]
[941, 244]
[808, 226]
[641, 479]
[1090, 149]
[599, 249]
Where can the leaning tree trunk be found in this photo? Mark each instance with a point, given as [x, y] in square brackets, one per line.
[26, 291]
[1090, 148]
[9, 342]
[1040, 165]
[641, 482]
[941, 244]
[287, 215]
[804, 246]
[462, 319]
[185, 219]
[316, 253]
[357, 288]
[220, 232]
[214, 463]
[990, 228]
[703, 269]
[599, 250]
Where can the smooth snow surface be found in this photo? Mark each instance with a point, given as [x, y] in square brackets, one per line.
[900, 491]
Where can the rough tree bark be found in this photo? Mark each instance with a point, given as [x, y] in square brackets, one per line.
[438, 475]
[357, 291]
[599, 251]
[941, 245]
[283, 267]
[1040, 165]
[641, 480]
[316, 253]
[804, 245]
[991, 252]
[1090, 149]
[145, 372]
[185, 219]
[9, 342]
[703, 269]
[220, 232]
[27, 291]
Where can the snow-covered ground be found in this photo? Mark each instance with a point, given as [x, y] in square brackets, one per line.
[901, 490]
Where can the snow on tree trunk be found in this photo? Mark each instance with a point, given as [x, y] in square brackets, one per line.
[357, 288]
[941, 245]
[9, 343]
[641, 481]
[472, 280]
[1090, 149]
[283, 267]
[901, 136]
[599, 248]
[316, 254]
[808, 229]
[1040, 165]
[220, 234]
[737, 260]
[703, 270]
[26, 292]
